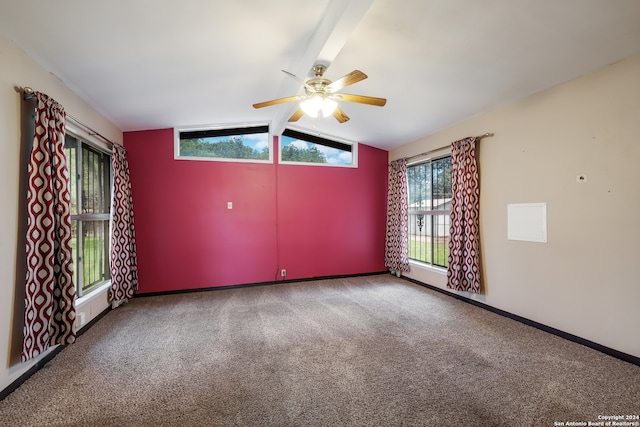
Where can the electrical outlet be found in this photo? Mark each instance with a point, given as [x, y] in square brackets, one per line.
[81, 319]
[283, 273]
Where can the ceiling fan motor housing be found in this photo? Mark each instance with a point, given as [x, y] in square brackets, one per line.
[318, 82]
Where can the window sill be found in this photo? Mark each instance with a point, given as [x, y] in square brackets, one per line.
[100, 290]
[428, 267]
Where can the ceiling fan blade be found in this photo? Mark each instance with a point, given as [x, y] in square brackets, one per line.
[370, 100]
[278, 101]
[299, 80]
[296, 116]
[353, 77]
[340, 115]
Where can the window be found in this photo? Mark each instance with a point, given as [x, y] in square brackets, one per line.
[90, 188]
[299, 147]
[429, 209]
[248, 143]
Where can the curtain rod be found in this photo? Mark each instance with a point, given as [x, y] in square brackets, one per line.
[486, 135]
[29, 93]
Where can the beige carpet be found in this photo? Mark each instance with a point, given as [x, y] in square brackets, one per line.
[365, 351]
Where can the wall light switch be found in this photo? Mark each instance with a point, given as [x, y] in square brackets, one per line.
[229, 205]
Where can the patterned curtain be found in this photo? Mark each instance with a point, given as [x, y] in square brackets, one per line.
[124, 264]
[463, 273]
[396, 256]
[50, 292]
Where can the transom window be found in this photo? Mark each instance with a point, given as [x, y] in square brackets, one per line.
[300, 147]
[429, 209]
[247, 143]
[90, 188]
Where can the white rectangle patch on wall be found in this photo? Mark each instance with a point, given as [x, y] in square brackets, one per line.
[527, 222]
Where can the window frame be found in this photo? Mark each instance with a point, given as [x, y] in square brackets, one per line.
[432, 213]
[228, 129]
[103, 148]
[326, 140]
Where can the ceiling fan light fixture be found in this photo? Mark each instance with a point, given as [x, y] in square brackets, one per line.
[317, 103]
[312, 105]
[328, 107]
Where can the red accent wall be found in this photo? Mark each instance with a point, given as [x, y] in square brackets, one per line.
[310, 220]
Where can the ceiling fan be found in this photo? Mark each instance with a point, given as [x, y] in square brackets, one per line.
[320, 95]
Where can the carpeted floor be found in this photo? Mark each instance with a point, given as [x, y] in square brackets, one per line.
[365, 351]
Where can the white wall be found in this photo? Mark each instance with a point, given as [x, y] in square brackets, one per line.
[585, 280]
[18, 69]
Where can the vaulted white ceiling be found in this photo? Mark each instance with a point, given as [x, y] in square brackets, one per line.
[155, 64]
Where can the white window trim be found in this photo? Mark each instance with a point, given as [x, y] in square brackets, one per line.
[95, 293]
[176, 142]
[429, 267]
[89, 139]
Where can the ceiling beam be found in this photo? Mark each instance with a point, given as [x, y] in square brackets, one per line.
[337, 24]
